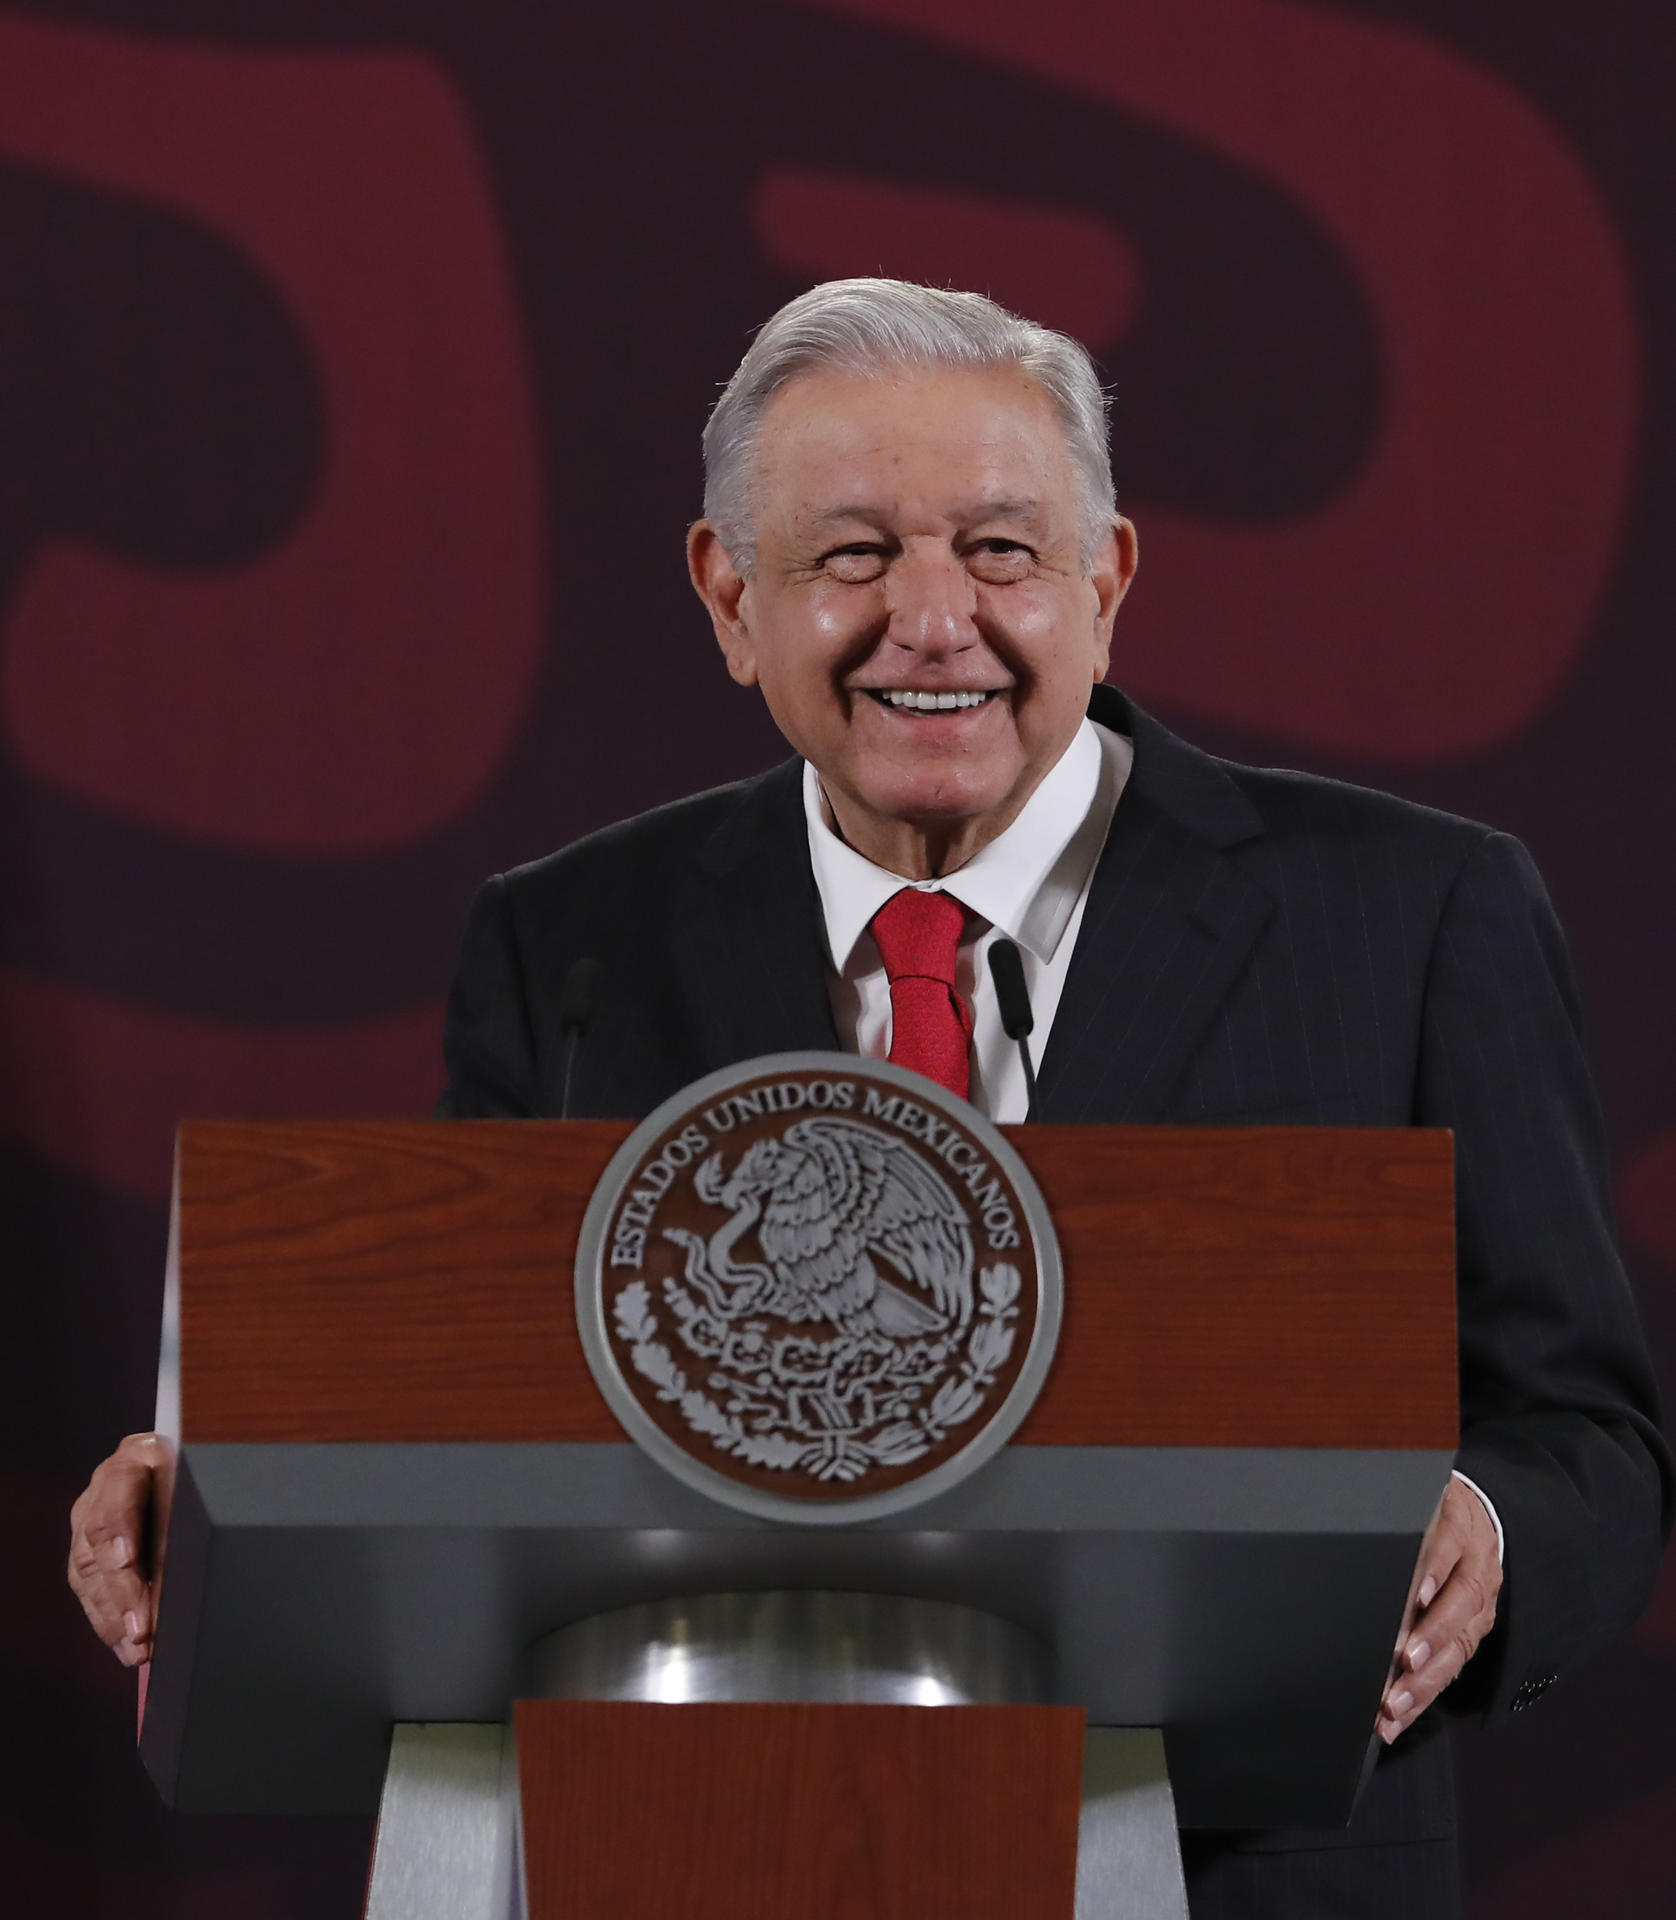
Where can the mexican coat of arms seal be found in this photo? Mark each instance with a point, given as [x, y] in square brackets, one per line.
[818, 1287]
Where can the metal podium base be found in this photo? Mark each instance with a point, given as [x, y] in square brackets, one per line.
[1128, 1853]
[856, 1649]
[448, 1827]
[447, 1844]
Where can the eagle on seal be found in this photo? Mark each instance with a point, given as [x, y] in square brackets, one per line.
[833, 1201]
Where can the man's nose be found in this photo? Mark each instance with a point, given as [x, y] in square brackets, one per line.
[930, 599]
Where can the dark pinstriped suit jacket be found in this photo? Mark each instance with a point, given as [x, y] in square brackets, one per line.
[1258, 947]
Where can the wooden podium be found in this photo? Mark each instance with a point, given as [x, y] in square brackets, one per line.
[397, 1478]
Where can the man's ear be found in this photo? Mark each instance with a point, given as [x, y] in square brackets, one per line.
[722, 588]
[1114, 569]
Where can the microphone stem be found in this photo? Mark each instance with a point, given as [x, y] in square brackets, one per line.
[576, 1010]
[573, 1040]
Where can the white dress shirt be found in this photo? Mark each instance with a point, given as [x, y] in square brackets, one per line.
[1030, 883]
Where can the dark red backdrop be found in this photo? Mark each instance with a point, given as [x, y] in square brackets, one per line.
[352, 363]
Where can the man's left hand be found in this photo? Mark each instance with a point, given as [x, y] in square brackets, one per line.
[1451, 1606]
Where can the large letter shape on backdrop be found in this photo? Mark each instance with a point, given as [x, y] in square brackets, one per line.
[1438, 604]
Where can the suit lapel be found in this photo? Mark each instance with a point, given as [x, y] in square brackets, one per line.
[755, 956]
[1171, 918]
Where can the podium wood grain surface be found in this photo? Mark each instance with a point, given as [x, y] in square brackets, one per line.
[709, 1812]
[412, 1281]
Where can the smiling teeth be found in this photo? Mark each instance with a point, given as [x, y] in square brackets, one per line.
[930, 702]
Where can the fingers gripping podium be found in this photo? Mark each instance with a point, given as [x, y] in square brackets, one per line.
[404, 1502]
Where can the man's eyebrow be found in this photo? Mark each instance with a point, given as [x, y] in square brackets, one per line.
[1024, 510]
[873, 515]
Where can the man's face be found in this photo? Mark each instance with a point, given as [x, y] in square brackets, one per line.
[918, 618]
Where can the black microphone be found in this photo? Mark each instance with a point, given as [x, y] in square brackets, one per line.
[576, 1010]
[1012, 996]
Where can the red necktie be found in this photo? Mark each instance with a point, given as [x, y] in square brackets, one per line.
[930, 1024]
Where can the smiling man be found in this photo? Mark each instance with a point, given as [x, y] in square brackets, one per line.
[912, 549]
[923, 593]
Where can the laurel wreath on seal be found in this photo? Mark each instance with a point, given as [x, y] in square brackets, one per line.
[749, 1423]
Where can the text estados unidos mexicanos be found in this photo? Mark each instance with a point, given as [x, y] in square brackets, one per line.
[970, 1169]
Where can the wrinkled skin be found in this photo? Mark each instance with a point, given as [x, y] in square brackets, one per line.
[116, 1531]
[1451, 1606]
[920, 532]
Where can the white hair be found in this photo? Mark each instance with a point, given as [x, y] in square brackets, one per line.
[883, 326]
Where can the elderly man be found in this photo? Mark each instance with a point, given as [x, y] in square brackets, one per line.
[911, 547]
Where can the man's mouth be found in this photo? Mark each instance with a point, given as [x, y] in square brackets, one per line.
[913, 700]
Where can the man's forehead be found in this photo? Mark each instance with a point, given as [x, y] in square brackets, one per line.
[1016, 509]
[971, 444]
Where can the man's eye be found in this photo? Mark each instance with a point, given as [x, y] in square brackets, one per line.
[1000, 560]
[854, 565]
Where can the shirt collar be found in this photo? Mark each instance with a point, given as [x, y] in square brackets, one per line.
[1027, 881]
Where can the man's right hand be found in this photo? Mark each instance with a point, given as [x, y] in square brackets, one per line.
[112, 1526]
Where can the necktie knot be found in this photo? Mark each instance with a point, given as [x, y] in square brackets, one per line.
[919, 933]
[918, 937]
